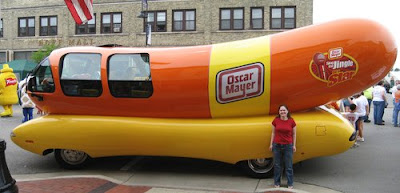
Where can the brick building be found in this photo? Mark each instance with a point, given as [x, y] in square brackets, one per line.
[28, 25]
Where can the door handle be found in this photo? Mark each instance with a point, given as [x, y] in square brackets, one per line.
[40, 98]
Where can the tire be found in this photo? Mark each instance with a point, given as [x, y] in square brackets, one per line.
[71, 159]
[258, 168]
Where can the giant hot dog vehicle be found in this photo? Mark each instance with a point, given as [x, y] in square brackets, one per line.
[211, 102]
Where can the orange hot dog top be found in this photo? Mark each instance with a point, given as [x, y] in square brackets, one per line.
[302, 68]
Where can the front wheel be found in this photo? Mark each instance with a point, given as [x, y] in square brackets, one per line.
[71, 159]
[258, 168]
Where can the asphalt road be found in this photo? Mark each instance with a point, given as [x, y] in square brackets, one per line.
[371, 167]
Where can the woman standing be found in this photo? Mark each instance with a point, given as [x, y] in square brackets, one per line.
[283, 144]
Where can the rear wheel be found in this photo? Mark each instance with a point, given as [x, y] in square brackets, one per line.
[258, 168]
[71, 159]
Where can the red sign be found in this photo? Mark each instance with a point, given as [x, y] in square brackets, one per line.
[11, 81]
[333, 67]
[240, 83]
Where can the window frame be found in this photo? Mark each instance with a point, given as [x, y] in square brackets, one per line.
[26, 27]
[5, 57]
[48, 25]
[83, 83]
[154, 25]
[251, 18]
[111, 22]
[33, 82]
[232, 20]
[126, 83]
[25, 53]
[1, 28]
[184, 20]
[282, 16]
[86, 27]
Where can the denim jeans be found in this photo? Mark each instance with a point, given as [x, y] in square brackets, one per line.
[27, 114]
[395, 116]
[379, 107]
[369, 107]
[283, 152]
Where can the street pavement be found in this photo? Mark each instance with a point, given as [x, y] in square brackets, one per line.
[368, 168]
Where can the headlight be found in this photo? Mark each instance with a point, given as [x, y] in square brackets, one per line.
[353, 136]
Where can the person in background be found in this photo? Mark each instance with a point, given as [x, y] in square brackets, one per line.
[353, 116]
[8, 90]
[396, 107]
[283, 145]
[393, 91]
[368, 95]
[379, 101]
[346, 104]
[362, 108]
[26, 102]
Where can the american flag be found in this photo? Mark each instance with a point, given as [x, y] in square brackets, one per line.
[81, 10]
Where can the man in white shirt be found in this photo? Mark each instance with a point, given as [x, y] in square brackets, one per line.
[379, 101]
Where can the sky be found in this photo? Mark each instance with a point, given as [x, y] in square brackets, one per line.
[386, 12]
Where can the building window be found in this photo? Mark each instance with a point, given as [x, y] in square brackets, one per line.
[111, 23]
[1, 28]
[283, 17]
[23, 55]
[3, 57]
[26, 26]
[231, 19]
[157, 20]
[48, 25]
[184, 20]
[80, 75]
[129, 76]
[257, 18]
[87, 28]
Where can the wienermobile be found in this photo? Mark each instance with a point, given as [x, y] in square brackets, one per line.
[211, 102]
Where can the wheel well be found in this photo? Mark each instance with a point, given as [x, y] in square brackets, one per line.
[47, 151]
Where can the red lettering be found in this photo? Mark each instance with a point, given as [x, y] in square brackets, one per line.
[230, 89]
[230, 79]
[236, 79]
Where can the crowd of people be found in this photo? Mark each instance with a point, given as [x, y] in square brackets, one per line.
[357, 108]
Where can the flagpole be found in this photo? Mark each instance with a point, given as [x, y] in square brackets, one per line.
[147, 29]
[146, 5]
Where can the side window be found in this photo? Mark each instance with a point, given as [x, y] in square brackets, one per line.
[129, 76]
[43, 78]
[80, 75]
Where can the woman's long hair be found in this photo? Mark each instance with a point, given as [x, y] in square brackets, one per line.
[288, 114]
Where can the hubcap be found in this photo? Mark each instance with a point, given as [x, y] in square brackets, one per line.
[73, 157]
[261, 165]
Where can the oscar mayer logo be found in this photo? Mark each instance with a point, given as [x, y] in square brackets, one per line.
[11, 81]
[240, 83]
[333, 67]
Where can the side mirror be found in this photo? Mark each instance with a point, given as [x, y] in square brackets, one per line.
[32, 83]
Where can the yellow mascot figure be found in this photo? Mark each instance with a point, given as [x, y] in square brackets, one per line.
[8, 90]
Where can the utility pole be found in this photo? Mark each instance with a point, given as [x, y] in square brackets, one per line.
[143, 14]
